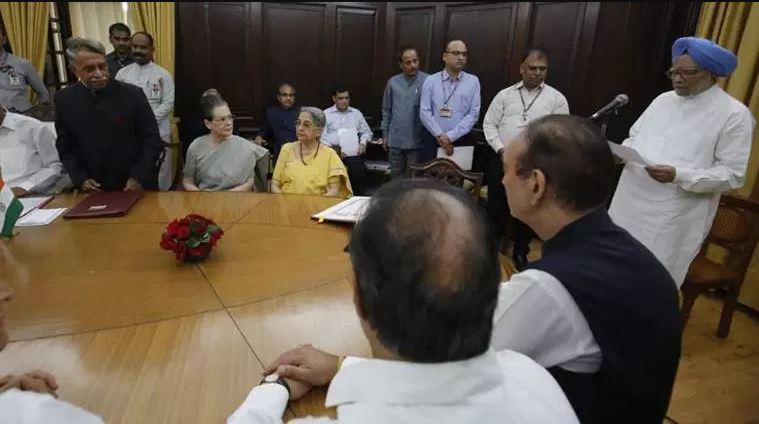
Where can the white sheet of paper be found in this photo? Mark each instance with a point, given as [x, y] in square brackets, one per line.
[463, 156]
[628, 154]
[347, 138]
[32, 203]
[349, 210]
[40, 217]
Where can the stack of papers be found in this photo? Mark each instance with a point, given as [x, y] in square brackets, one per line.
[32, 203]
[349, 211]
[39, 217]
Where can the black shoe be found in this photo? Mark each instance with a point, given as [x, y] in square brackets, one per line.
[520, 261]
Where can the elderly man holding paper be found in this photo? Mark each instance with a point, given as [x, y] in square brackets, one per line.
[347, 128]
[695, 142]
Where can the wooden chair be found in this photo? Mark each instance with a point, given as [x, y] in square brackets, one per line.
[446, 170]
[735, 229]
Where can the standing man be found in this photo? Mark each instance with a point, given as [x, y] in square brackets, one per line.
[107, 134]
[158, 87]
[509, 113]
[120, 37]
[342, 118]
[401, 127]
[699, 137]
[279, 120]
[16, 75]
[450, 104]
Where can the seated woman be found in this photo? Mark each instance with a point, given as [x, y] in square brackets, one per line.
[220, 160]
[308, 167]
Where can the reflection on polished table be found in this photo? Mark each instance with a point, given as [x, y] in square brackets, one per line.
[136, 337]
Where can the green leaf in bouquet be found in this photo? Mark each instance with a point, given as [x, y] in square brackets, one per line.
[212, 229]
[205, 238]
[193, 242]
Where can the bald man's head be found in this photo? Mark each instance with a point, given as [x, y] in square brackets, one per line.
[427, 271]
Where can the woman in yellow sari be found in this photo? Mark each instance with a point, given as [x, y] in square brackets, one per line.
[308, 167]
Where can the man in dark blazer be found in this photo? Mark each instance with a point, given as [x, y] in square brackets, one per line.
[108, 138]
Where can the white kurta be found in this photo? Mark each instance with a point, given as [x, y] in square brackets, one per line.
[158, 87]
[707, 139]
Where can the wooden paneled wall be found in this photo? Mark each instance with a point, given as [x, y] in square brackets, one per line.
[596, 50]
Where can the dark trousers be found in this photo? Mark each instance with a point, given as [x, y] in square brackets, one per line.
[498, 209]
[356, 174]
[429, 148]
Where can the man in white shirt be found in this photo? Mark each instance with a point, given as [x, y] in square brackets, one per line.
[29, 161]
[427, 313]
[598, 310]
[344, 123]
[698, 140]
[509, 113]
[158, 86]
[29, 398]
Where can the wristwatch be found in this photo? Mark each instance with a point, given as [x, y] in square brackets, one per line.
[274, 378]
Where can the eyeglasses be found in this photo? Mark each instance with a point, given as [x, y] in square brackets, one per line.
[230, 118]
[457, 53]
[683, 72]
[305, 124]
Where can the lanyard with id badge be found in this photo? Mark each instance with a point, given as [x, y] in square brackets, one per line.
[445, 111]
[525, 108]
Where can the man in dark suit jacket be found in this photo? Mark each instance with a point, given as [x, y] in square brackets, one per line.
[108, 138]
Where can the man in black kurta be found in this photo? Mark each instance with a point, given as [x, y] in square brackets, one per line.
[108, 138]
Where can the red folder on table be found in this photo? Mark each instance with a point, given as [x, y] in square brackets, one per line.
[106, 204]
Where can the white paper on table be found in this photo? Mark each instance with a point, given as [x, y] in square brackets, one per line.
[628, 154]
[32, 203]
[350, 210]
[39, 217]
[463, 156]
[347, 138]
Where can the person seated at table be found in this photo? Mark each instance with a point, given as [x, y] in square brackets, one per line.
[108, 137]
[308, 167]
[220, 160]
[427, 312]
[30, 397]
[29, 162]
[598, 310]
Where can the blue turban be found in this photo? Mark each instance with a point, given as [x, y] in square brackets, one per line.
[707, 54]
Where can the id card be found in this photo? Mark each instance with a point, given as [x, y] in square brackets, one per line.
[524, 122]
[446, 112]
[14, 80]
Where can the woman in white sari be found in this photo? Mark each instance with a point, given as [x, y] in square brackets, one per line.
[220, 160]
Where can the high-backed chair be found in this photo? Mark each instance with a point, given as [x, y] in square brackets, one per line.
[446, 170]
[735, 229]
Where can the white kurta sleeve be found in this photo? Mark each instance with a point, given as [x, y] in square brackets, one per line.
[167, 99]
[556, 333]
[44, 143]
[32, 408]
[492, 119]
[730, 159]
[265, 404]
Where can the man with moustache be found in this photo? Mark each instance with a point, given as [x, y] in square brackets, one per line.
[108, 137]
[158, 86]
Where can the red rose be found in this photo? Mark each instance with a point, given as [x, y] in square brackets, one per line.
[200, 228]
[201, 250]
[172, 228]
[180, 252]
[184, 233]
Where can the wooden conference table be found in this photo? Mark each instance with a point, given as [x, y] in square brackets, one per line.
[136, 337]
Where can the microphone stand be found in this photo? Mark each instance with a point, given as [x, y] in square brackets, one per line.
[603, 120]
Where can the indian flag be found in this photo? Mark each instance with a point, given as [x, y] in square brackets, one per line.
[10, 210]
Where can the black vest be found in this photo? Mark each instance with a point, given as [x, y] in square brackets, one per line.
[631, 305]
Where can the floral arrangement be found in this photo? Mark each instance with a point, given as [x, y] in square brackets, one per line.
[191, 238]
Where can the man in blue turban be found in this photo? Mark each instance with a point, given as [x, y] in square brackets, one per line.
[696, 141]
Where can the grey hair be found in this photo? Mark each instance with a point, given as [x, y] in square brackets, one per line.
[211, 92]
[320, 119]
[74, 44]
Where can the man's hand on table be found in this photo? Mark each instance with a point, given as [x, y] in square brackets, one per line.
[303, 368]
[33, 381]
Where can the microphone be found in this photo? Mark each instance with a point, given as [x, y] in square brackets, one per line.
[618, 102]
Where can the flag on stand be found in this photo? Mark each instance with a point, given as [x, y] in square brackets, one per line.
[10, 210]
